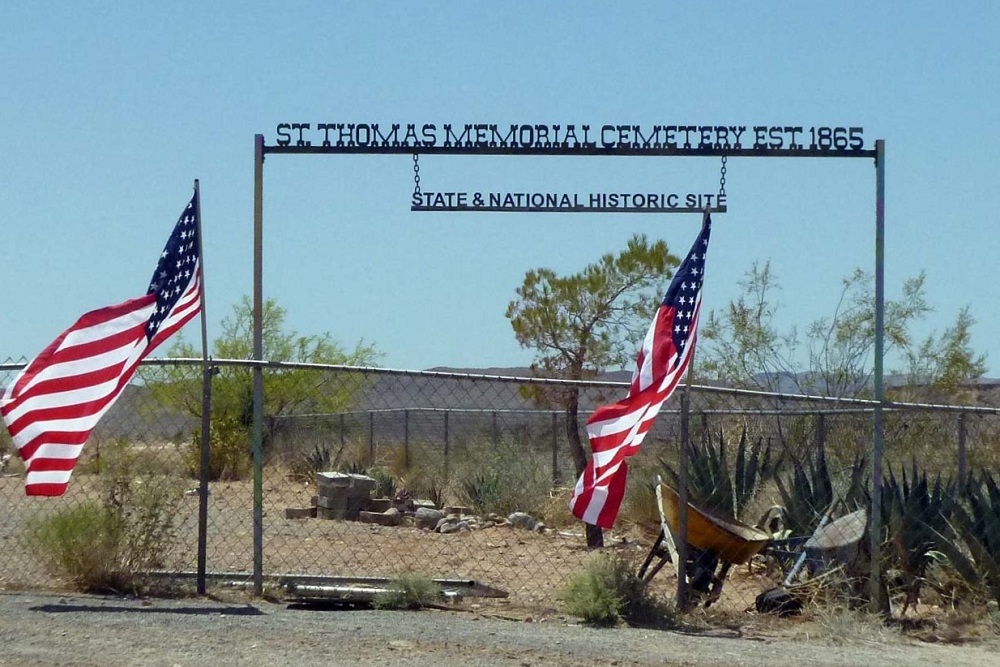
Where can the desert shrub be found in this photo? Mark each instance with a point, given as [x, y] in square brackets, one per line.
[408, 591]
[504, 477]
[304, 467]
[229, 455]
[6, 445]
[610, 589]
[845, 624]
[385, 483]
[10, 462]
[107, 544]
[102, 455]
[79, 544]
[426, 480]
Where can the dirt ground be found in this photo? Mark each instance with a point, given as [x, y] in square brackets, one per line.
[45, 628]
[82, 631]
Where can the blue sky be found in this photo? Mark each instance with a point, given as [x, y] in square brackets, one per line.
[110, 110]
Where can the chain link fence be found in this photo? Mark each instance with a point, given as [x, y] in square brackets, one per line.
[468, 477]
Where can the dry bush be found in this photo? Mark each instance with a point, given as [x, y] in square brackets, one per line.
[107, 545]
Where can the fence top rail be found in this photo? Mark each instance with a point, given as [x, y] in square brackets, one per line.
[453, 375]
[794, 412]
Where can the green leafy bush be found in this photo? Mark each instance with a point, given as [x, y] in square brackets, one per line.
[229, 451]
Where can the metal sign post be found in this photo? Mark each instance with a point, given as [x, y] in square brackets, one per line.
[583, 140]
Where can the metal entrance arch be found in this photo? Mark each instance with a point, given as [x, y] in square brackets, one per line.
[482, 139]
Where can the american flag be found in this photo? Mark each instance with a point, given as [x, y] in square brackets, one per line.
[616, 431]
[57, 400]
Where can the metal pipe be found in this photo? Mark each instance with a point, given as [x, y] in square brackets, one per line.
[258, 370]
[682, 496]
[877, 605]
[406, 439]
[962, 452]
[555, 449]
[206, 408]
[446, 445]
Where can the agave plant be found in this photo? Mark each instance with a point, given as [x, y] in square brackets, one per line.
[810, 491]
[807, 494]
[976, 523]
[711, 482]
[914, 513]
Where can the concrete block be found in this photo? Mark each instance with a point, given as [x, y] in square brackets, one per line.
[390, 518]
[340, 515]
[357, 484]
[342, 503]
[379, 504]
[300, 512]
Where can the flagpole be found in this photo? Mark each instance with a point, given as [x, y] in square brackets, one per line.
[206, 408]
[682, 482]
[682, 496]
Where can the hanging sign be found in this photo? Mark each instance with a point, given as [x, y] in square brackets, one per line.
[562, 202]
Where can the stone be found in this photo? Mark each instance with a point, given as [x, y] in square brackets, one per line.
[423, 502]
[450, 527]
[427, 517]
[457, 509]
[522, 520]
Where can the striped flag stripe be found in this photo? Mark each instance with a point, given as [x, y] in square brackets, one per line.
[49, 363]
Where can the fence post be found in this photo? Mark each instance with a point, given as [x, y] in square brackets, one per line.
[821, 432]
[406, 439]
[682, 500]
[206, 445]
[555, 449]
[446, 443]
[371, 438]
[341, 431]
[962, 462]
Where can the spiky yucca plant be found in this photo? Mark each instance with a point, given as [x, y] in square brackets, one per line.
[810, 491]
[914, 512]
[976, 524]
[715, 485]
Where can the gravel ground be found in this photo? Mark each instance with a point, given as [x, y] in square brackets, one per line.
[45, 629]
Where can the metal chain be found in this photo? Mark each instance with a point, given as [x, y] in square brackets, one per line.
[416, 174]
[722, 178]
